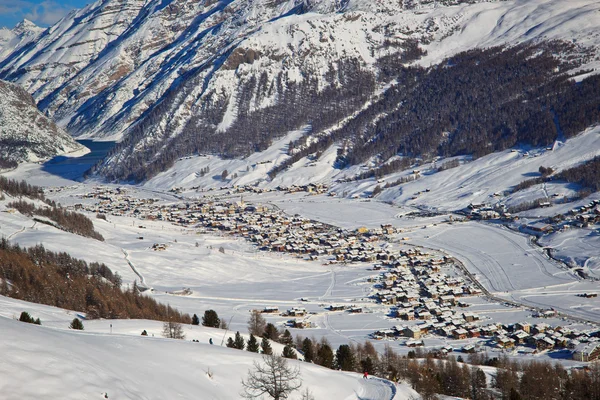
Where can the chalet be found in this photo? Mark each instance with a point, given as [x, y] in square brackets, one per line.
[414, 343]
[523, 326]
[475, 333]
[297, 312]
[336, 307]
[470, 317]
[271, 310]
[355, 310]
[520, 336]
[489, 330]
[448, 299]
[459, 334]
[539, 328]
[540, 227]
[424, 315]
[586, 352]
[505, 342]
[412, 332]
[468, 349]
[544, 343]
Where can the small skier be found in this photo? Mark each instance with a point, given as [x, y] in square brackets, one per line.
[365, 375]
[210, 341]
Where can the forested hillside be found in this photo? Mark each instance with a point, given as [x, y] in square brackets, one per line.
[57, 279]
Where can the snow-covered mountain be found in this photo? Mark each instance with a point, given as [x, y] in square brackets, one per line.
[25, 133]
[173, 78]
[13, 39]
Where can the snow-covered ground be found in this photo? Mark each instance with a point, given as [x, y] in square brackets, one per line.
[50, 361]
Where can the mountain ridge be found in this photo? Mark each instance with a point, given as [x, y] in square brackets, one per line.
[25, 133]
[170, 79]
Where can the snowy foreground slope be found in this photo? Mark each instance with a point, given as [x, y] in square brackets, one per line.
[43, 362]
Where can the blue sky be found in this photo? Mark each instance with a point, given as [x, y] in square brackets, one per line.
[42, 12]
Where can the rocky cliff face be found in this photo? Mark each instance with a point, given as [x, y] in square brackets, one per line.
[175, 77]
[25, 133]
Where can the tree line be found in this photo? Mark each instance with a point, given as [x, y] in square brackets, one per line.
[57, 279]
[586, 175]
[72, 222]
[20, 188]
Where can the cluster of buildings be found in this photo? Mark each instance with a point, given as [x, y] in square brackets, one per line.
[411, 281]
[269, 230]
[416, 290]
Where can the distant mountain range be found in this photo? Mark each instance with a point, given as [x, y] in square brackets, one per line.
[175, 78]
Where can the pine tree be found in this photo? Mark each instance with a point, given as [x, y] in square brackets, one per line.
[26, 317]
[239, 341]
[266, 346]
[325, 356]
[195, 320]
[230, 343]
[252, 345]
[76, 324]
[211, 319]
[288, 352]
[367, 365]
[286, 338]
[271, 332]
[307, 349]
[345, 358]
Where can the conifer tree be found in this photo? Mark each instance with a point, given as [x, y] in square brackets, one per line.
[239, 341]
[76, 324]
[307, 349]
[266, 346]
[252, 345]
[211, 319]
[288, 352]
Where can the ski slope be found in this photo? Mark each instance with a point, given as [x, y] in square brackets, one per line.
[50, 361]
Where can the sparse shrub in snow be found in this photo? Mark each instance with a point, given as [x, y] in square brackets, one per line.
[76, 324]
[26, 317]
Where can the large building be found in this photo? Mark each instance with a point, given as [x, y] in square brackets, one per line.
[587, 351]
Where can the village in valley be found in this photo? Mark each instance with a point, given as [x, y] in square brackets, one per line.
[420, 293]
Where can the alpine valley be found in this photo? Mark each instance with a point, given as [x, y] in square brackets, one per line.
[404, 190]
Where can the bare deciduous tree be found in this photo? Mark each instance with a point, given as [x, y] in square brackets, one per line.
[273, 377]
[173, 330]
[256, 323]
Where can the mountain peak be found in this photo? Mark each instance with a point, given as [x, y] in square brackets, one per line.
[25, 26]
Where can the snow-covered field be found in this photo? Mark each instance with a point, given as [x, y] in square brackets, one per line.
[52, 362]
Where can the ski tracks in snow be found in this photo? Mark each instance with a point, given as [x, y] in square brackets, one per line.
[376, 389]
[135, 271]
